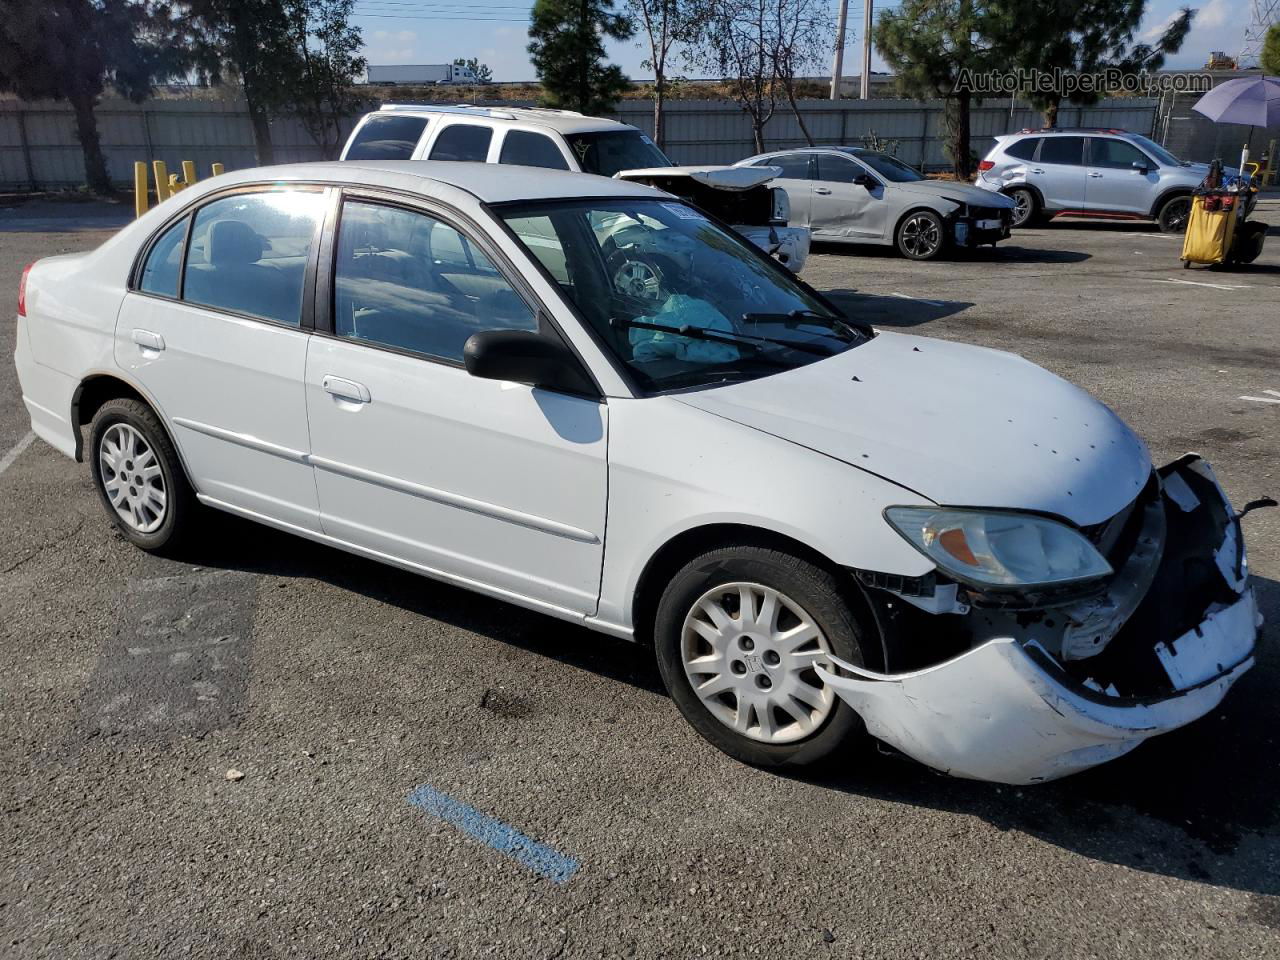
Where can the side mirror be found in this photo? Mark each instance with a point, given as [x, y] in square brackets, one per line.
[521, 356]
[1140, 166]
[865, 180]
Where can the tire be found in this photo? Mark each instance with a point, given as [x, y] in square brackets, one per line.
[748, 720]
[128, 478]
[1174, 214]
[1027, 212]
[921, 235]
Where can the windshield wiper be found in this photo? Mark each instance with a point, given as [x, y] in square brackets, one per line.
[720, 336]
[796, 316]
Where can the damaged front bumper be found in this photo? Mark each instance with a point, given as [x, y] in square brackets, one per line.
[1079, 684]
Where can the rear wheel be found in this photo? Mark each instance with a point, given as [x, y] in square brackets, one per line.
[1026, 208]
[139, 477]
[921, 235]
[738, 632]
[1174, 214]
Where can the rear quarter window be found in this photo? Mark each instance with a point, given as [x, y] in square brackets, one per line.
[164, 262]
[1023, 149]
[386, 138]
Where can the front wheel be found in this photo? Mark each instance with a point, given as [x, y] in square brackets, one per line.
[1174, 215]
[738, 633]
[921, 236]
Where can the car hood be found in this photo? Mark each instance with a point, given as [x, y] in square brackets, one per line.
[958, 192]
[718, 177]
[961, 425]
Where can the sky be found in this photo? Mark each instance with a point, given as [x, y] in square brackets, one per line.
[495, 31]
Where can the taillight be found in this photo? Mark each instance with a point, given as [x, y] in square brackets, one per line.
[986, 165]
[22, 290]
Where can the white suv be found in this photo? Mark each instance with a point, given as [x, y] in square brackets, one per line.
[566, 140]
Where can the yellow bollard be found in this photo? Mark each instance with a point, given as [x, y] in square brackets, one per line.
[139, 188]
[162, 180]
[174, 184]
[188, 173]
[217, 169]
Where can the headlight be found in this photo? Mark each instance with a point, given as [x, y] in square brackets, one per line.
[992, 548]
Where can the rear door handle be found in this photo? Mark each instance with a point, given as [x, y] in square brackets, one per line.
[148, 340]
[1095, 174]
[345, 389]
[823, 191]
[1037, 170]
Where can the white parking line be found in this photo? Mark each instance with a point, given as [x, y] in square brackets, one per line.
[1274, 398]
[1215, 286]
[16, 451]
[932, 303]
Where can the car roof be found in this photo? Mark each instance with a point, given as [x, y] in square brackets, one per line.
[488, 182]
[562, 121]
[1073, 132]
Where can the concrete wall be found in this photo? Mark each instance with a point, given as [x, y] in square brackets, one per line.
[39, 150]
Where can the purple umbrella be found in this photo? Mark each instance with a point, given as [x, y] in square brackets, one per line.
[1254, 101]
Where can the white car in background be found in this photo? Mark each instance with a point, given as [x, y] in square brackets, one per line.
[852, 195]
[567, 140]
[818, 526]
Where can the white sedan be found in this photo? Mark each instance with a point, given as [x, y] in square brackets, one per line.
[819, 527]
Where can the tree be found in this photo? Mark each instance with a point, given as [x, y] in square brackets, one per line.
[327, 48]
[566, 45]
[1270, 57]
[738, 43]
[255, 41]
[1082, 37]
[802, 42]
[73, 49]
[481, 70]
[931, 44]
[665, 24]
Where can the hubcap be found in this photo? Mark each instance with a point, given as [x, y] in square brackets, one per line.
[636, 278]
[132, 478]
[1022, 207]
[749, 653]
[921, 236]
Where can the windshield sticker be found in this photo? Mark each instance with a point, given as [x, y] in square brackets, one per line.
[683, 212]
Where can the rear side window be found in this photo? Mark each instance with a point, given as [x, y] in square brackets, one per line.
[386, 138]
[1023, 149]
[531, 150]
[795, 166]
[462, 141]
[248, 253]
[1064, 150]
[164, 262]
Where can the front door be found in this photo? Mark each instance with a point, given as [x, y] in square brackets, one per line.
[1113, 183]
[489, 484]
[216, 339]
[843, 209]
[1058, 172]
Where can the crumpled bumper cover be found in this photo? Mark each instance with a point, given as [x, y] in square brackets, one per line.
[1006, 711]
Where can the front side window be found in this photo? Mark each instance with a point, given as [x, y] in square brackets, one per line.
[531, 150]
[835, 169]
[1068, 151]
[609, 152]
[386, 137]
[164, 262]
[1115, 153]
[411, 282]
[679, 301]
[1166, 158]
[890, 168]
[462, 141]
[248, 253]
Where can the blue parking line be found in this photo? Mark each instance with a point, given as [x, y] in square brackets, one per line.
[541, 859]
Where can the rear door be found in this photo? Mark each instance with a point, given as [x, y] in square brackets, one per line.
[221, 345]
[1112, 181]
[797, 180]
[1058, 172]
[842, 209]
[465, 142]
[489, 484]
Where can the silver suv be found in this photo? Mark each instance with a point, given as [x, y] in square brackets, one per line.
[1095, 172]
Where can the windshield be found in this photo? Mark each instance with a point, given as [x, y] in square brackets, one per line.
[680, 302]
[608, 152]
[1163, 156]
[891, 168]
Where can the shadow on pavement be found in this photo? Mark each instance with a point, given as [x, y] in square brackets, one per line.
[1216, 781]
[891, 311]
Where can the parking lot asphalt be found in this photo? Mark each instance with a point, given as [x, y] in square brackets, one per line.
[581, 816]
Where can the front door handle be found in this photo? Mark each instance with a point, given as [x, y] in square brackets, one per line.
[148, 340]
[1095, 174]
[821, 191]
[345, 389]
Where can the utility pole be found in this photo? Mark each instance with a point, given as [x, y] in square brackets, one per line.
[837, 68]
[865, 86]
